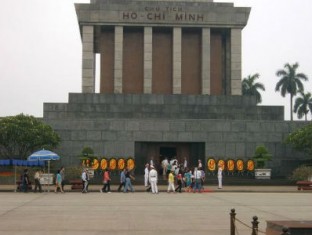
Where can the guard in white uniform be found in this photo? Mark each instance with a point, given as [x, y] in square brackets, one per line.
[200, 165]
[220, 177]
[146, 172]
[153, 178]
[164, 165]
[185, 163]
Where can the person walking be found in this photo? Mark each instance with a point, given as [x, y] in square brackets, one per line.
[106, 182]
[128, 184]
[203, 177]
[188, 180]
[25, 181]
[219, 177]
[62, 172]
[197, 180]
[122, 179]
[179, 182]
[37, 177]
[85, 178]
[58, 182]
[153, 178]
[171, 182]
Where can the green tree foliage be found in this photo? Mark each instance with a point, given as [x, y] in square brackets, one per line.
[251, 88]
[290, 82]
[21, 135]
[87, 153]
[301, 139]
[261, 156]
[303, 105]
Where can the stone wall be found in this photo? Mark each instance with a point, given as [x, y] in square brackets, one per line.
[91, 120]
[162, 106]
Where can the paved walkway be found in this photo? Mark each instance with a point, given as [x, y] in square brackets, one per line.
[142, 213]
[163, 188]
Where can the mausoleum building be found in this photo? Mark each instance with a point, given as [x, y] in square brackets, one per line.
[170, 85]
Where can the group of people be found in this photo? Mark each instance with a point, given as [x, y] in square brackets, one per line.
[181, 174]
[25, 181]
[59, 180]
[125, 184]
[177, 174]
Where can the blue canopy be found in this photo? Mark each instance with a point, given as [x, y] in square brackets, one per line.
[15, 162]
[43, 155]
[5, 162]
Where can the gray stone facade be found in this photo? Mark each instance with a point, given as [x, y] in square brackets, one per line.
[222, 127]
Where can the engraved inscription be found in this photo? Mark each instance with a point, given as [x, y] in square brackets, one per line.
[163, 14]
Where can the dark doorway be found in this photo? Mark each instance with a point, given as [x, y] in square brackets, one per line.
[144, 151]
[167, 152]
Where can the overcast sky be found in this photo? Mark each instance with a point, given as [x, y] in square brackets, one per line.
[40, 50]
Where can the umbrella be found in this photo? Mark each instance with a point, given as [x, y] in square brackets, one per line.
[44, 155]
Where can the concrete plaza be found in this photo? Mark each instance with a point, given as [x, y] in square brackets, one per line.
[144, 213]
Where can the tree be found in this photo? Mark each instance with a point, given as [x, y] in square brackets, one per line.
[303, 105]
[301, 139]
[261, 156]
[290, 82]
[251, 88]
[21, 135]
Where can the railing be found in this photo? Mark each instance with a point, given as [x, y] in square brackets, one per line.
[254, 225]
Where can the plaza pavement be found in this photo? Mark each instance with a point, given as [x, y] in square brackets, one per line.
[142, 213]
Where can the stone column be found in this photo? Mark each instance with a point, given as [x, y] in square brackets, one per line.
[148, 61]
[118, 59]
[205, 67]
[236, 62]
[88, 60]
[177, 60]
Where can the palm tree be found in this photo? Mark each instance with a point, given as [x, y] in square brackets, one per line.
[250, 87]
[290, 82]
[303, 105]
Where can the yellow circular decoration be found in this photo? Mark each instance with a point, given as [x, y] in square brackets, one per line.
[130, 164]
[103, 164]
[250, 165]
[211, 164]
[230, 165]
[112, 164]
[121, 163]
[240, 165]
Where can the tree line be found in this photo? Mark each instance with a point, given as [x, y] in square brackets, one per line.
[291, 82]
